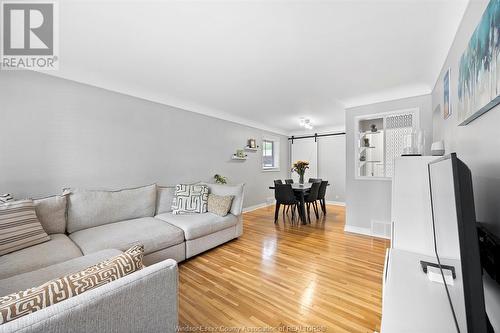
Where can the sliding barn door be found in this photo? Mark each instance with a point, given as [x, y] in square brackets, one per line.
[306, 150]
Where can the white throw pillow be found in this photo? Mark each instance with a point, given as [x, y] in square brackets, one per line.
[190, 199]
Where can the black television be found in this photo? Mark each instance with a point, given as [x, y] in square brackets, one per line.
[455, 241]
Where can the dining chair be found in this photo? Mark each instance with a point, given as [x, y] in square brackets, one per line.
[314, 180]
[278, 182]
[311, 200]
[284, 195]
[288, 181]
[321, 195]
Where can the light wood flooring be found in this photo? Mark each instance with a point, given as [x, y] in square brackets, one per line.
[283, 277]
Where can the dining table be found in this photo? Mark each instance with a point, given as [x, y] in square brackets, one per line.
[300, 192]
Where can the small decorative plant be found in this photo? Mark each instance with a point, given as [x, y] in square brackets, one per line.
[220, 179]
[300, 167]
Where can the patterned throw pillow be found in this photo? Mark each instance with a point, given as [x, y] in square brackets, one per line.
[219, 204]
[6, 198]
[19, 226]
[28, 301]
[190, 199]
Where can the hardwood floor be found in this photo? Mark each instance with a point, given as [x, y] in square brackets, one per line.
[279, 275]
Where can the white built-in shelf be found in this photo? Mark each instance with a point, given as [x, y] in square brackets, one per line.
[251, 149]
[362, 163]
[370, 132]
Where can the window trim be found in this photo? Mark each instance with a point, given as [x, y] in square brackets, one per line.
[276, 154]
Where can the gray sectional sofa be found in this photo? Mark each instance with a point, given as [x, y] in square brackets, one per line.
[88, 226]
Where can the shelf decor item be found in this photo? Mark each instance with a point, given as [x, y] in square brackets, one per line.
[373, 128]
[478, 85]
[437, 148]
[413, 143]
[251, 143]
[239, 155]
[300, 167]
[220, 179]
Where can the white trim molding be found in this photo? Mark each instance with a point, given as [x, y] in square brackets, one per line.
[172, 102]
[255, 207]
[335, 203]
[271, 203]
[361, 231]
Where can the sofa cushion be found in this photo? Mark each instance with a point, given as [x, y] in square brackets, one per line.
[234, 190]
[51, 212]
[42, 275]
[92, 208]
[164, 199]
[58, 249]
[199, 225]
[19, 226]
[154, 234]
[27, 301]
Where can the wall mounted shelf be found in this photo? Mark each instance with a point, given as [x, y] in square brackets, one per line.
[234, 157]
[251, 149]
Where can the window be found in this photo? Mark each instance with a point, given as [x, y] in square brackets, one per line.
[270, 154]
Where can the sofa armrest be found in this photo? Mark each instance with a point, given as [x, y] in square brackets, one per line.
[144, 301]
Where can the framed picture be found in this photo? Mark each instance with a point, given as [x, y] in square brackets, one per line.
[251, 143]
[446, 94]
[479, 73]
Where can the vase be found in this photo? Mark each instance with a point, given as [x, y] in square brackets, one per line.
[301, 179]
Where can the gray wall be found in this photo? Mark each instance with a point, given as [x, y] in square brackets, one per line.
[477, 144]
[331, 165]
[368, 200]
[56, 133]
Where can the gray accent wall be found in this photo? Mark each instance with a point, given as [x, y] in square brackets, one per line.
[370, 200]
[477, 144]
[56, 133]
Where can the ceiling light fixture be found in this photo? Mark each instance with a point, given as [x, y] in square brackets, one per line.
[306, 123]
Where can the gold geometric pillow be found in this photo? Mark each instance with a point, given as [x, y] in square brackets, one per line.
[19, 226]
[219, 204]
[25, 302]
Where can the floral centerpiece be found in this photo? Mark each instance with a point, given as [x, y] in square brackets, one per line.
[300, 168]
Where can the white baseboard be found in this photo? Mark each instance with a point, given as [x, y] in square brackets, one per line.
[362, 231]
[255, 207]
[267, 204]
[358, 230]
[336, 203]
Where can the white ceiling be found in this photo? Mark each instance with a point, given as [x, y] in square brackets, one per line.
[262, 63]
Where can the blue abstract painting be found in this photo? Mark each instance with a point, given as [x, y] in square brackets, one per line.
[479, 68]
[446, 94]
